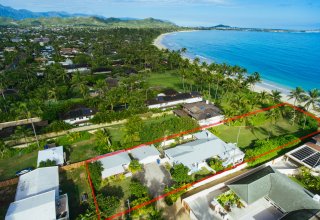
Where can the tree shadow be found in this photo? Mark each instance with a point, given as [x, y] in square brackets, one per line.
[115, 191]
[68, 186]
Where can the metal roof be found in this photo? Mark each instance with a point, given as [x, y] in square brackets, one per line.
[38, 181]
[143, 152]
[113, 164]
[206, 146]
[55, 153]
[40, 206]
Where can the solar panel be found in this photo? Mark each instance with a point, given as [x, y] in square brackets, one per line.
[313, 161]
[303, 153]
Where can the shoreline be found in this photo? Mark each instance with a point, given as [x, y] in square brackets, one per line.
[265, 85]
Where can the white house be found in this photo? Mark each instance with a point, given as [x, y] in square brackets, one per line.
[115, 164]
[55, 153]
[37, 197]
[78, 115]
[194, 154]
[146, 154]
[167, 101]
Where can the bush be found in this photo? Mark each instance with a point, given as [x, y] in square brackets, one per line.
[57, 126]
[95, 174]
[47, 163]
[107, 204]
[179, 174]
[263, 146]
[215, 164]
[135, 166]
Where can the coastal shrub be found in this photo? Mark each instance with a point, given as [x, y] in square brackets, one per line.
[270, 145]
[95, 174]
[107, 204]
[215, 164]
[135, 166]
[179, 174]
[57, 126]
[311, 182]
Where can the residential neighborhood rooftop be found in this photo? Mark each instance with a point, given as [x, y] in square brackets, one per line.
[38, 181]
[55, 154]
[114, 164]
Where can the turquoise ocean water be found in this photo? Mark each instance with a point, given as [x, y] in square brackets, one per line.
[284, 60]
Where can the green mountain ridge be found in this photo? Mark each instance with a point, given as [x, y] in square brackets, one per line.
[88, 21]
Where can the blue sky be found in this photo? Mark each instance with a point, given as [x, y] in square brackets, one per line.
[243, 13]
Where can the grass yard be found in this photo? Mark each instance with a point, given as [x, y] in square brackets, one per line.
[82, 150]
[74, 182]
[9, 166]
[120, 189]
[249, 135]
[7, 195]
[165, 80]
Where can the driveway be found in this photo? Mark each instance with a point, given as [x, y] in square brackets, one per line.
[155, 177]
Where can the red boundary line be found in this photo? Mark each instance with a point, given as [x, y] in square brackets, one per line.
[192, 131]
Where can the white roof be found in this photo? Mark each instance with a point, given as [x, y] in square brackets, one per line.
[113, 164]
[41, 206]
[206, 146]
[38, 181]
[143, 152]
[55, 153]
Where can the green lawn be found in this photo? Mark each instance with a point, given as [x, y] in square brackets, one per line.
[120, 189]
[82, 150]
[9, 166]
[250, 134]
[165, 80]
[74, 182]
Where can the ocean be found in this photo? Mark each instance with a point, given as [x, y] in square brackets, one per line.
[284, 60]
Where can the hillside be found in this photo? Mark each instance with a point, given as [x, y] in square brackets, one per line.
[21, 14]
[88, 21]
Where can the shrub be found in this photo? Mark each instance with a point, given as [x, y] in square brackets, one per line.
[135, 166]
[47, 163]
[95, 173]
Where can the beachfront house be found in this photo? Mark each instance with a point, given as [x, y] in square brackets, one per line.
[204, 112]
[146, 154]
[262, 193]
[115, 164]
[37, 197]
[54, 154]
[194, 154]
[172, 98]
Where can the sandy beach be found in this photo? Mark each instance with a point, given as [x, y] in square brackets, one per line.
[158, 41]
[259, 87]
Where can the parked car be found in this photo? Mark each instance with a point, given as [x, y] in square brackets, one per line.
[23, 171]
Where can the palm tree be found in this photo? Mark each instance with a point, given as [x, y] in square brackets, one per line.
[276, 96]
[297, 94]
[27, 114]
[103, 137]
[312, 99]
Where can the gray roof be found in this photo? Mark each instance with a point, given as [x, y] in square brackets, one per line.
[143, 152]
[42, 206]
[38, 181]
[113, 164]
[206, 146]
[55, 153]
[278, 187]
